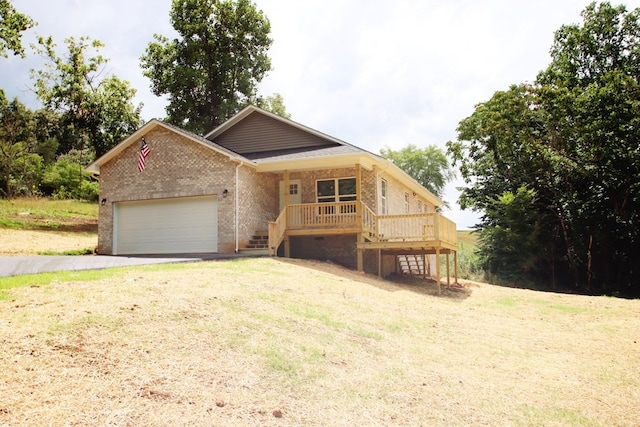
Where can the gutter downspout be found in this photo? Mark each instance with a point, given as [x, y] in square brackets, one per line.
[237, 225]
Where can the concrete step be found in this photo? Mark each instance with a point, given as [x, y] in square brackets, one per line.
[254, 251]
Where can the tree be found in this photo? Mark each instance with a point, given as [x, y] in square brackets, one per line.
[212, 69]
[19, 165]
[95, 112]
[274, 104]
[12, 24]
[572, 138]
[429, 166]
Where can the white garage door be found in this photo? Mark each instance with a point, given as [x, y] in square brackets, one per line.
[166, 226]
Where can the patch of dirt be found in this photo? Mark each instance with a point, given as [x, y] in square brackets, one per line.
[32, 242]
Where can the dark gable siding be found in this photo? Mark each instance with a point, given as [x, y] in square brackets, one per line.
[258, 133]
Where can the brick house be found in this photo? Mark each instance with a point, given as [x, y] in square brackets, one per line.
[259, 177]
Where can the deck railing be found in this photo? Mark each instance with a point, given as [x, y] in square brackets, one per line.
[345, 215]
[416, 227]
[322, 215]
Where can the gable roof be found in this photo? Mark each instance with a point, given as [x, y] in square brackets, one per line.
[262, 147]
[135, 137]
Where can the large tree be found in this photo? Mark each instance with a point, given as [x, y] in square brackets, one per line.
[429, 166]
[96, 111]
[211, 70]
[571, 140]
[12, 24]
[20, 165]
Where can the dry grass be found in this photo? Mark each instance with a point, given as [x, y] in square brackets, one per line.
[274, 342]
[15, 242]
[30, 226]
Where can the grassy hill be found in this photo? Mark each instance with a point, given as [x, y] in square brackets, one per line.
[289, 342]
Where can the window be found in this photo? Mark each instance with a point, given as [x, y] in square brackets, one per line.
[383, 197]
[419, 206]
[293, 189]
[406, 202]
[336, 190]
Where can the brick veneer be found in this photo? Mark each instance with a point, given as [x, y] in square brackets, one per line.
[180, 167]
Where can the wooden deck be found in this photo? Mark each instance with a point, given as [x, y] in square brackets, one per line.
[419, 234]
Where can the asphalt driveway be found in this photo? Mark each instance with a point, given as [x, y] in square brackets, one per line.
[19, 265]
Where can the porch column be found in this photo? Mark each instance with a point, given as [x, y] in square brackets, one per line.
[438, 269]
[287, 190]
[359, 196]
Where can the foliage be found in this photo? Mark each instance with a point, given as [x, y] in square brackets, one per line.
[12, 24]
[95, 111]
[212, 69]
[571, 138]
[429, 166]
[19, 166]
[274, 104]
[66, 179]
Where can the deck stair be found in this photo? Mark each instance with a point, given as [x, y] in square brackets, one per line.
[411, 264]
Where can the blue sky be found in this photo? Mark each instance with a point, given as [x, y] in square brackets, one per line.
[373, 73]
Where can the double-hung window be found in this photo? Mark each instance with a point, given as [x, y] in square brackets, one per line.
[336, 190]
[383, 197]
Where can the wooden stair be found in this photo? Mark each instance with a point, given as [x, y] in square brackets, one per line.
[411, 265]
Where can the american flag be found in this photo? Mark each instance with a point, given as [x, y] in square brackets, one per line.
[142, 156]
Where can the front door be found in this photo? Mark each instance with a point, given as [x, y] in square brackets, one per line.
[295, 193]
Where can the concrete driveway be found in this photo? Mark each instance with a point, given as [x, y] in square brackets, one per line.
[19, 265]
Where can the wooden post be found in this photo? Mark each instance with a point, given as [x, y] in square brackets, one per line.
[438, 269]
[360, 254]
[287, 190]
[455, 265]
[424, 265]
[359, 196]
[448, 280]
[287, 248]
[380, 262]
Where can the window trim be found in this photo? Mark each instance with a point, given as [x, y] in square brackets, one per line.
[336, 197]
[384, 197]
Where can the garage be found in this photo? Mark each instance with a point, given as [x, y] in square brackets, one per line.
[166, 226]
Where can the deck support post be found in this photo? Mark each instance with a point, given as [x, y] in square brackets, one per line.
[455, 266]
[438, 269]
[424, 265]
[360, 254]
[287, 247]
[380, 262]
[448, 275]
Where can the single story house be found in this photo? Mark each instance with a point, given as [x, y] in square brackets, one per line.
[260, 180]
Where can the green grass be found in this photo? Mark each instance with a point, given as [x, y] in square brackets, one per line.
[85, 251]
[46, 214]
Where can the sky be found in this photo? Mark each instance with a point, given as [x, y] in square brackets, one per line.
[374, 73]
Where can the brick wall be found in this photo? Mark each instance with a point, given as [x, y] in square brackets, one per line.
[175, 167]
[258, 202]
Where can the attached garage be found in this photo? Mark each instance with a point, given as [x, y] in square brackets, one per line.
[166, 226]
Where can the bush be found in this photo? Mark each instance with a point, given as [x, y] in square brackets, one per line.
[66, 179]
